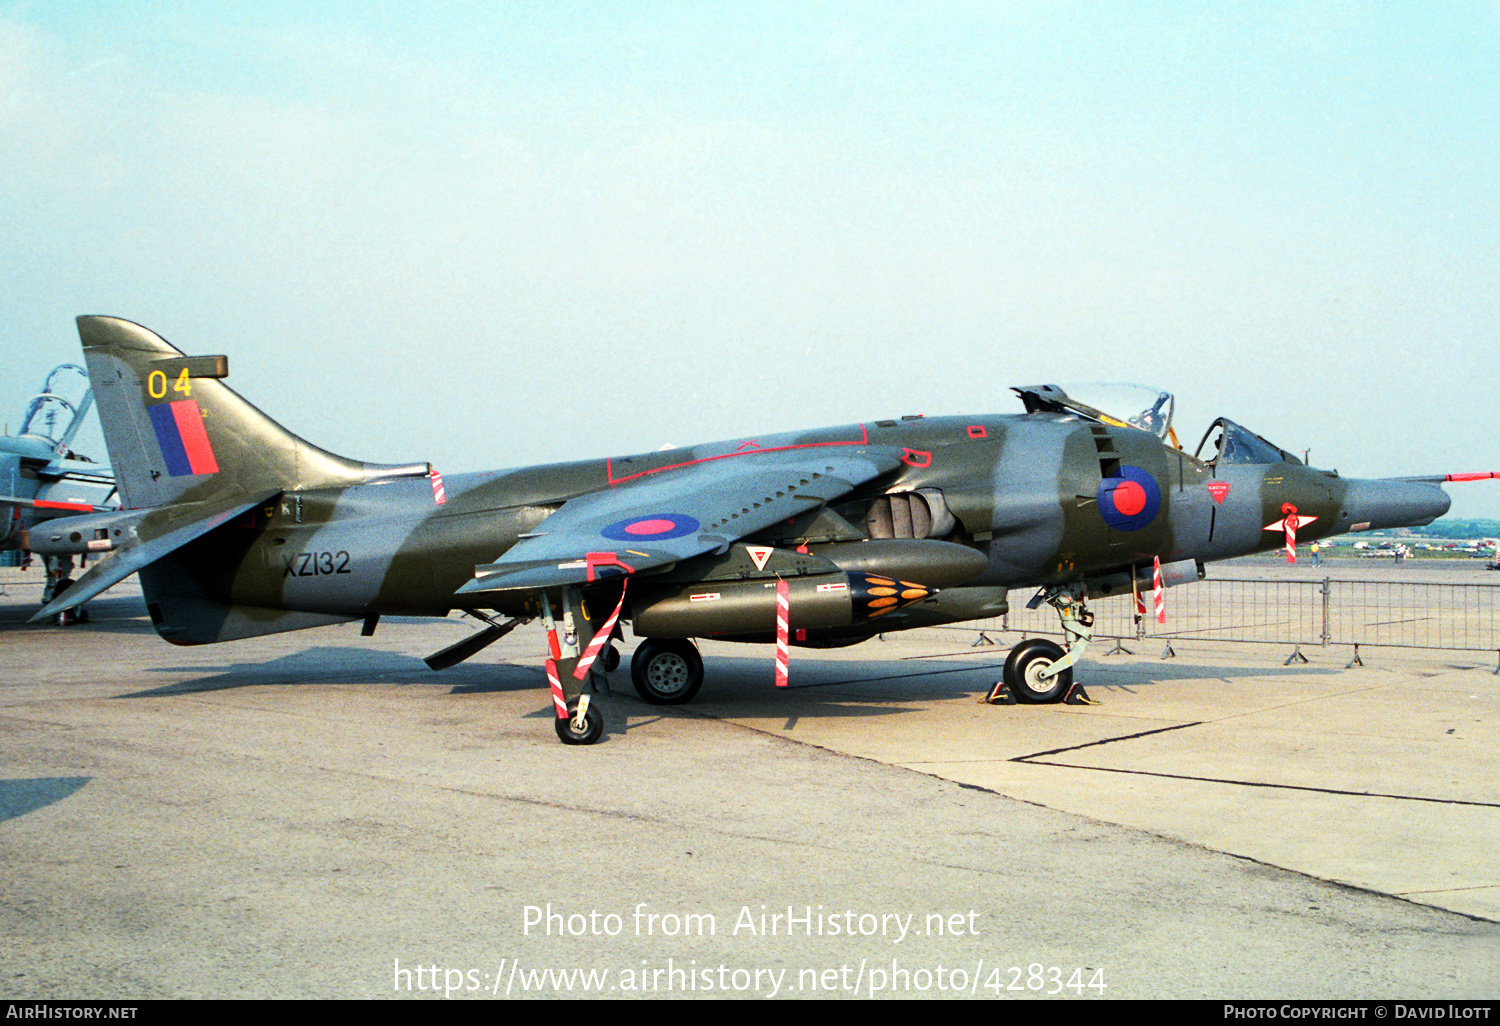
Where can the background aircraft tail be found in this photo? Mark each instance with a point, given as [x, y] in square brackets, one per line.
[176, 433]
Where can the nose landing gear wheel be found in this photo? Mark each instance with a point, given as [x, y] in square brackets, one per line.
[667, 672]
[593, 726]
[1023, 669]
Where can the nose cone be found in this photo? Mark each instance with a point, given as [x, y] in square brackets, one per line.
[1373, 505]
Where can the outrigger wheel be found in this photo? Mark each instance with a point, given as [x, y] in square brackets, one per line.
[667, 671]
[569, 732]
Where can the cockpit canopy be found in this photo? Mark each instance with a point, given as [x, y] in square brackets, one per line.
[1150, 409]
[1120, 405]
[52, 420]
[1227, 442]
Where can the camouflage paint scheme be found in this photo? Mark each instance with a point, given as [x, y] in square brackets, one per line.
[239, 528]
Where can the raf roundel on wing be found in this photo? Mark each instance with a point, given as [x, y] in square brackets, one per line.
[652, 527]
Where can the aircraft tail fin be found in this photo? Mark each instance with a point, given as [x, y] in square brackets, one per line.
[176, 433]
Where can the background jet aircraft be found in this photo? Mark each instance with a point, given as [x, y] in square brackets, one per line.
[239, 528]
[41, 478]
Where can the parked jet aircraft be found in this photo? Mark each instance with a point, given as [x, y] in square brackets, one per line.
[41, 478]
[239, 528]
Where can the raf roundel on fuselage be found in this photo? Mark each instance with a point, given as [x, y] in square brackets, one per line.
[1131, 501]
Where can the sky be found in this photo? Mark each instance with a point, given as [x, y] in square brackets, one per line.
[496, 234]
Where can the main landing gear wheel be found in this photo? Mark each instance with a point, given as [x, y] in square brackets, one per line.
[593, 726]
[667, 672]
[1024, 667]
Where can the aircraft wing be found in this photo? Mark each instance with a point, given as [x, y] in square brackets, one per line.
[656, 520]
[56, 509]
[75, 470]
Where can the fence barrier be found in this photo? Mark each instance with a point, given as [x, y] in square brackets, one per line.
[1397, 614]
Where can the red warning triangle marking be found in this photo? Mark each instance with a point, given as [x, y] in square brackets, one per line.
[759, 555]
[1219, 489]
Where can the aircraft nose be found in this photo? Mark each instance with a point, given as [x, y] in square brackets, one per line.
[1373, 505]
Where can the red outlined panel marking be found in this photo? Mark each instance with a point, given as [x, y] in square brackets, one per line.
[609, 469]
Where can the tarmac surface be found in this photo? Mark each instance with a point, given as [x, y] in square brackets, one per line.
[317, 814]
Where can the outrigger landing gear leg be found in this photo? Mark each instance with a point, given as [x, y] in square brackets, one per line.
[577, 636]
[1038, 670]
[580, 721]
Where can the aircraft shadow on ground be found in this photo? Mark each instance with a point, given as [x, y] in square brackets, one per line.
[481, 678]
[861, 688]
[937, 679]
[1103, 674]
[340, 665]
[21, 795]
[106, 616]
[852, 687]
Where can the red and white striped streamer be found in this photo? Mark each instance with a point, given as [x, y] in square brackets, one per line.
[1161, 605]
[558, 701]
[439, 495]
[601, 638]
[1289, 512]
[783, 631]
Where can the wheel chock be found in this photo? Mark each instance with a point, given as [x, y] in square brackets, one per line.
[1078, 696]
[1000, 694]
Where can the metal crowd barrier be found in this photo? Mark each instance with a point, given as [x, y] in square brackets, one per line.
[1396, 614]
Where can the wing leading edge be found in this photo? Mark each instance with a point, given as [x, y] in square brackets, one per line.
[652, 522]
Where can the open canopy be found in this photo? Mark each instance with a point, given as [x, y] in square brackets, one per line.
[1122, 405]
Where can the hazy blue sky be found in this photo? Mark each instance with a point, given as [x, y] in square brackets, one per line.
[490, 234]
